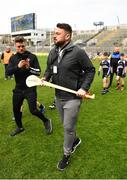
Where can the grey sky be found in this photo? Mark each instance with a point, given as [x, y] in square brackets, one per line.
[80, 14]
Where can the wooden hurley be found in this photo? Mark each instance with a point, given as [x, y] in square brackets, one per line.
[33, 80]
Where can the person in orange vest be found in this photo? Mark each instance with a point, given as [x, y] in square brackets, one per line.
[5, 59]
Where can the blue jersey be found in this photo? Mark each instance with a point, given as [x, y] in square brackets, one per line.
[115, 57]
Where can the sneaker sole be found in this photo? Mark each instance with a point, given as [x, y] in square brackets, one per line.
[52, 107]
[76, 146]
[61, 169]
[12, 135]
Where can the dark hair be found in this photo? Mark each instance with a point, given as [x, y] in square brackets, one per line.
[20, 39]
[122, 54]
[105, 54]
[65, 26]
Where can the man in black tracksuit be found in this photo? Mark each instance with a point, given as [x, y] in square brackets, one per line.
[66, 64]
[23, 64]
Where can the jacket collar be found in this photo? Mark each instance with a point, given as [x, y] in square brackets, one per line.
[66, 48]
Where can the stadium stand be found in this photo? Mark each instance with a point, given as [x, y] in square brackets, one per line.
[93, 41]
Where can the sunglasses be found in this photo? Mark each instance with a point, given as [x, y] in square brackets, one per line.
[21, 46]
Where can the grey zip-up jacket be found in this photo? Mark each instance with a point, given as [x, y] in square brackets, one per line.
[71, 66]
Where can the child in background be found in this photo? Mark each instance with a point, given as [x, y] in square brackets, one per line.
[105, 68]
[121, 72]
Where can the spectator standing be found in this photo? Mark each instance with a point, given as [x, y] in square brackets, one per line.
[5, 59]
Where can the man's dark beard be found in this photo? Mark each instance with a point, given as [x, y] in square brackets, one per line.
[60, 44]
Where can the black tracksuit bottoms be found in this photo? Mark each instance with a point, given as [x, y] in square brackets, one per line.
[31, 96]
[112, 75]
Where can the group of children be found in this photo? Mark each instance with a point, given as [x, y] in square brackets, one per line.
[107, 70]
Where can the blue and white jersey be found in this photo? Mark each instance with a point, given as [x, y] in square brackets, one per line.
[121, 64]
[105, 64]
[121, 67]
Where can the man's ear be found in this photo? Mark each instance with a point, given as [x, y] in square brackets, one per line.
[67, 36]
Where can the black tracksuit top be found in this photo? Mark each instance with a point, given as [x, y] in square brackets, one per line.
[22, 73]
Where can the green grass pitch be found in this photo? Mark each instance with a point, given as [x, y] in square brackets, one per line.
[102, 126]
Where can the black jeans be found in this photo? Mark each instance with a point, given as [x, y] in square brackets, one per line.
[31, 96]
